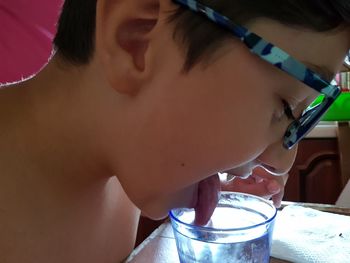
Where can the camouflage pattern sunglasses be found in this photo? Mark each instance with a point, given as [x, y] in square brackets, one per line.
[302, 125]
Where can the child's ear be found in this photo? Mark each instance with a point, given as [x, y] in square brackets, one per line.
[122, 41]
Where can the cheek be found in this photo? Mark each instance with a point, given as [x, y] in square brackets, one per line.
[246, 120]
[188, 129]
[219, 128]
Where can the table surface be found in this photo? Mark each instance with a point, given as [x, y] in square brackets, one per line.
[160, 246]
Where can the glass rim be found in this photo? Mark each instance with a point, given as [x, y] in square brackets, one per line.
[211, 229]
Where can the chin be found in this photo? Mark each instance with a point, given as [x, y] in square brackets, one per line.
[159, 209]
[154, 214]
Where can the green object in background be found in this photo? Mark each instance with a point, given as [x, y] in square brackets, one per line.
[340, 109]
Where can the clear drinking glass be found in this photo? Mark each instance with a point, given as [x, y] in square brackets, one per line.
[240, 230]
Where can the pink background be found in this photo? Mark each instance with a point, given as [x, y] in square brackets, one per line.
[27, 28]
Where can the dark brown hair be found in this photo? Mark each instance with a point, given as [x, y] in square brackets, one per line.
[198, 36]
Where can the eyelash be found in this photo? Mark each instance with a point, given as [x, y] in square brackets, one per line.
[288, 110]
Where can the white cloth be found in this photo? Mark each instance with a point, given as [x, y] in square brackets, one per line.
[305, 235]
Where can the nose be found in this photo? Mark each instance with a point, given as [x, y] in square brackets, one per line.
[276, 159]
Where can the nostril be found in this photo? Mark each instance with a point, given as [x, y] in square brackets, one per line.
[269, 168]
[265, 166]
[274, 171]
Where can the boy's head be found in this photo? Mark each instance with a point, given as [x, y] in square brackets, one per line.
[75, 37]
[189, 98]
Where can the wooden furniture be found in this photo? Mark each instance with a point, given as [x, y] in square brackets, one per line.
[321, 169]
[344, 151]
[315, 176]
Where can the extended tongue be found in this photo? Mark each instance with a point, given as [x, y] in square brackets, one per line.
[208, 196]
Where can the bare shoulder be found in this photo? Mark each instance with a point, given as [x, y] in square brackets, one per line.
[96, 223]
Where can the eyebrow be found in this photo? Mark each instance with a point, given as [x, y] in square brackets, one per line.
[322, 71]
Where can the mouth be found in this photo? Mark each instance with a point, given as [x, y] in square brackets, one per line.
[208, 194]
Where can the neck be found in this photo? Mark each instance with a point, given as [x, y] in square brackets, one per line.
[58, 123]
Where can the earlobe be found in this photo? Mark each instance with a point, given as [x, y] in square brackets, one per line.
[122, 41]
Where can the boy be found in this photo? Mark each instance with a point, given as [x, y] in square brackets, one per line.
[143, 104]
